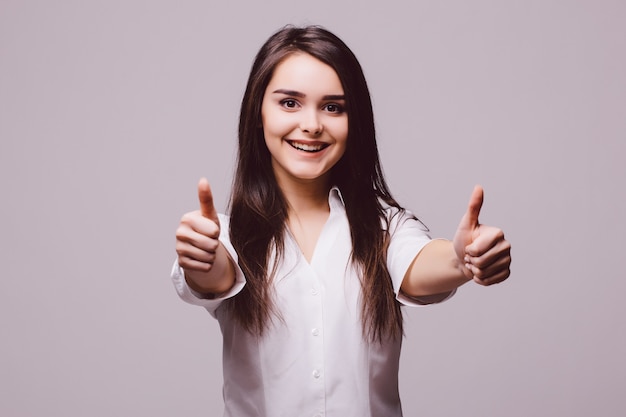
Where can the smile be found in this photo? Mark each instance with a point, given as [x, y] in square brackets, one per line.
[307, 147]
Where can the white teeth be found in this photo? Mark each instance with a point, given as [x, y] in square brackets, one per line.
[306, 147]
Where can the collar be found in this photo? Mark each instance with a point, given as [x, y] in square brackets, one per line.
[335, 199]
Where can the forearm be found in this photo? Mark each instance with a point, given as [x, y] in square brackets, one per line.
[216, 280]
[435, 270]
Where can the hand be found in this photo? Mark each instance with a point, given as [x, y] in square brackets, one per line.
[483, 250]
[197, 235]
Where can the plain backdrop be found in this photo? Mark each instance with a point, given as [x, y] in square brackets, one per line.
[111, 110]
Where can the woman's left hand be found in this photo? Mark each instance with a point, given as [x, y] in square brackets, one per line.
[482, 249]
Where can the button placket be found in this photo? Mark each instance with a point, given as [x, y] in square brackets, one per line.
[317, 342]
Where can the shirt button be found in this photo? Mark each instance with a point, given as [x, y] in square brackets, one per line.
[315, 332]
[313, 291]
[316, 374]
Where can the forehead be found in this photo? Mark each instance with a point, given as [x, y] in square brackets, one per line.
[303, 72]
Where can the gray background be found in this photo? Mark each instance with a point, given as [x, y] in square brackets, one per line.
[111, 110]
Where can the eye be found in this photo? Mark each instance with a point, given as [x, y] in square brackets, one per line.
[289, 103]
[334, 108]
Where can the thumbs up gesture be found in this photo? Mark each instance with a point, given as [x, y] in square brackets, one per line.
[483, 249]
[197, 236]
[205, 196]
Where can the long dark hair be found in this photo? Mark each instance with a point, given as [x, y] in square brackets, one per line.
[259, 211]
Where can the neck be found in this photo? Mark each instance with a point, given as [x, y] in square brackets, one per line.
[306, 196]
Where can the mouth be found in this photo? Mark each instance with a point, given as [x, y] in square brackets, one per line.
[308, 147]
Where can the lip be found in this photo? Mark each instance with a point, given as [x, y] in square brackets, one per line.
[308, 146]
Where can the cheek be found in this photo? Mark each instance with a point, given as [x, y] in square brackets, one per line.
[275, 123]
[339, 128]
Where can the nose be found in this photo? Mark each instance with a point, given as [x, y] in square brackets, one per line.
[310, 123]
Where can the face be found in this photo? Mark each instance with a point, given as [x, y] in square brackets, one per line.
[304, 120]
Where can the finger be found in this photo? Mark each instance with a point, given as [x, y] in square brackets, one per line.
[494, 279]
[189, 252]
[194, 221]
[501, 249]
[207, 208]
[485, 239]
[191, 265]
[493, 269]
[474, 206]
[202, 238]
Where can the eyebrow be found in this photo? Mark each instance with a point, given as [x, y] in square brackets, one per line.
[295, 93]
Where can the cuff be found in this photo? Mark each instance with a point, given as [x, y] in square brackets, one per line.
[209, 301]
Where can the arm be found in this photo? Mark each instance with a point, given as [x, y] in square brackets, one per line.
[478, 252]
[208, 268]
[435, 270]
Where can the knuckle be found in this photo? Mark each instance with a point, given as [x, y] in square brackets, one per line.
[196, 266]
[212, 245]
[480, 281]
[479, 263]
[183, 261]
[187, 217]
[204, 267]
[181, 232]
[214, 229]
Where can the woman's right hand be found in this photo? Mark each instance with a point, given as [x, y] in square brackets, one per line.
[198, 248]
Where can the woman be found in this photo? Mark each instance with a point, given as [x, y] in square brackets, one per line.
[307, 275]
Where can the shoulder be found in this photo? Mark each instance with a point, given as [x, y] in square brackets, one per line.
[397, 217]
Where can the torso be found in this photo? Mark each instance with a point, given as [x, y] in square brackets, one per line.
[306, 230]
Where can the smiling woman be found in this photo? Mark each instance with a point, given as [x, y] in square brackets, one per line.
[308, 274]
[304, 124]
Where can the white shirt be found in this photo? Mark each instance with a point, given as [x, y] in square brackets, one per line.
[315, 362]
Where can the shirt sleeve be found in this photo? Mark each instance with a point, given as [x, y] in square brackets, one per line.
[408, 236]
[210, 302]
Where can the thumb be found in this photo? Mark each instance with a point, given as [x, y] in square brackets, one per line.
[467, 231]
[206, 201]
[470, 219]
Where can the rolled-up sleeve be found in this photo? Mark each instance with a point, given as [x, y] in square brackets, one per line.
[210, 302]
[408, 236]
